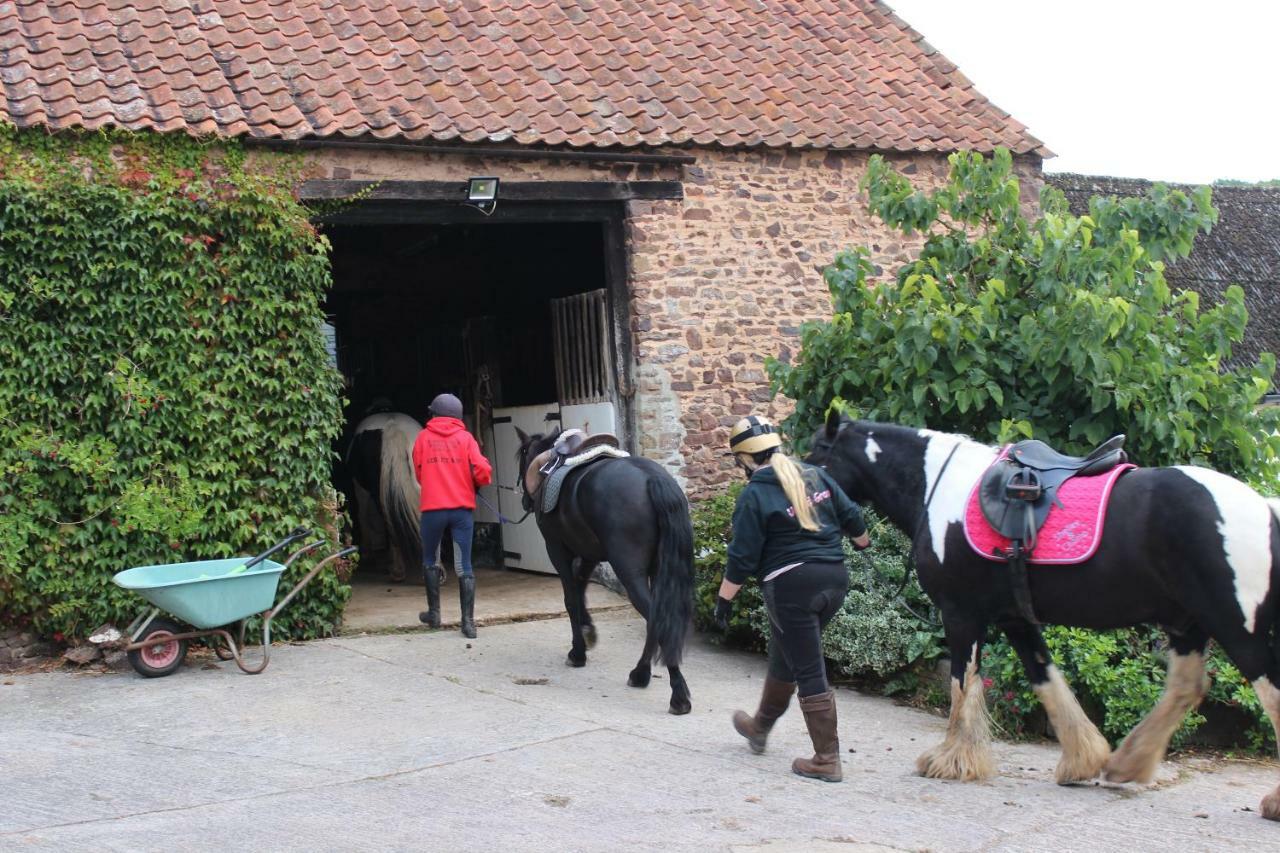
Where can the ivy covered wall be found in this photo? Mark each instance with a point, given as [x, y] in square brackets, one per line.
[165, 394]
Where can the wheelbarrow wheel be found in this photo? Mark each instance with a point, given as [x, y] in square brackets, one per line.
[162, 658]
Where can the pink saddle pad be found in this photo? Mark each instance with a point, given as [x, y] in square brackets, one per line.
[1071, 532]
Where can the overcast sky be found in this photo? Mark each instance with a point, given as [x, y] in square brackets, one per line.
[1168, 90]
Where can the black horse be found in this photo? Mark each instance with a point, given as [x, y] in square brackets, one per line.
[631, 513]
[1188, 549]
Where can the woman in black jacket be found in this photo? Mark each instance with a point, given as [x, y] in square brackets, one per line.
[787, 530]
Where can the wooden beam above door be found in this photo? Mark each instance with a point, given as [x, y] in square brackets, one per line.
[509, 191]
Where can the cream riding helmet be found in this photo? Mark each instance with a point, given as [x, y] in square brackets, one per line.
[752, 435]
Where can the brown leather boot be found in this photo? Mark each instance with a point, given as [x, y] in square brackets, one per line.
[775, 696]
[820, 718]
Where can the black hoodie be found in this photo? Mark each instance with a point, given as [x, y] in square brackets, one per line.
[767, 535]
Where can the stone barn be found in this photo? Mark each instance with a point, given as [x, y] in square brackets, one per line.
[671, 176]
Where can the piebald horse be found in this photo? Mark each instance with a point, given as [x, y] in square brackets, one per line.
[380, 460]
[1185, 548]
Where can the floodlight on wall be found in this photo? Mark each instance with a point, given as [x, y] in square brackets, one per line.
[482, 194]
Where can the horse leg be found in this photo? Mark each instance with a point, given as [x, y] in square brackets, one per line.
[965, 753]
[639, 677]
[1269, 696]
[583, 571]
[565, 563]
[1143, 749]
[636, 583]
[637, 587]
[1084, 749]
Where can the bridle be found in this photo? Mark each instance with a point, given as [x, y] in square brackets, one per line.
[908, 560]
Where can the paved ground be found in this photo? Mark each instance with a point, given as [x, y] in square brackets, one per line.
[501, 596]
[425, 742]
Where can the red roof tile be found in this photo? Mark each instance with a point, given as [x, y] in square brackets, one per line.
[846, 74]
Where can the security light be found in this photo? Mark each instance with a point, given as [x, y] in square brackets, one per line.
[482, 193]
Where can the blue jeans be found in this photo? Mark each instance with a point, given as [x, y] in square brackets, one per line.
[460, 523]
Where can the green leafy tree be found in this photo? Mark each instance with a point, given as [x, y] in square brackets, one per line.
[165, 393]
[1059, 327]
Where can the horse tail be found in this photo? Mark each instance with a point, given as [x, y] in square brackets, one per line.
[671, 612]
[398, 492]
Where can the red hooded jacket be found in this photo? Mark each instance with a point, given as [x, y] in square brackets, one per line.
[449, 466]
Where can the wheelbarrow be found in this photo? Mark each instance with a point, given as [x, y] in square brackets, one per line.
[213, 597]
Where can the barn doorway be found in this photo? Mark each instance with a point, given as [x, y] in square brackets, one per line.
[423, 303]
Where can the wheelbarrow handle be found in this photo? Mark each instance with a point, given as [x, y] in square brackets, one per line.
[294, 535]
[315, 570]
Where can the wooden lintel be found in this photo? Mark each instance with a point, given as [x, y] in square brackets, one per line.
[508, 191]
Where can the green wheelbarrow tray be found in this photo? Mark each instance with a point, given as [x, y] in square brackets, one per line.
[208, 593]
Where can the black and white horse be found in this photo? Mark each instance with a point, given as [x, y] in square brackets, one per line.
[630, 513]
[380, 461]
[1185, 548]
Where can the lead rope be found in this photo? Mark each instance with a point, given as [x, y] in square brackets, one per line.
[502, 519]
[908, 561]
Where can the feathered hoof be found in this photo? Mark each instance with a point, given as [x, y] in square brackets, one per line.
[1271, 805]
[956, 762]
[589, 635]
[679, 706]
[1085, 763]
[639, 677]
[1129, 766]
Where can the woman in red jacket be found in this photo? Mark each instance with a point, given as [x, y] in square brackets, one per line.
[449, 468]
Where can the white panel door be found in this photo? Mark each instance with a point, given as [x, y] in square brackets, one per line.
[522, 544]
[591, 418]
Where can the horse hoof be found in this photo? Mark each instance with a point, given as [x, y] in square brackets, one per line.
[589, 634]
[570, 660]
[1123, 767]
[638, 678]
[680, 707]
[1271, 805]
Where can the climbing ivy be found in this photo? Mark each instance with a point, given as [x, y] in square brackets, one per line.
[165, 394]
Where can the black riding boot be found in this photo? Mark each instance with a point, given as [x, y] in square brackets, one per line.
[431, 616]
[467, 597]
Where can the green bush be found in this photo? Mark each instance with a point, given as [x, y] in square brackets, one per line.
[1118, 677]
[872, 636]
[164, 387]
[1061, 328]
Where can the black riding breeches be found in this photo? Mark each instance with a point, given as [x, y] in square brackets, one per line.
[801, 602]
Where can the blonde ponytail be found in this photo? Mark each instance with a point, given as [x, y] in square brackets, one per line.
[793, 486]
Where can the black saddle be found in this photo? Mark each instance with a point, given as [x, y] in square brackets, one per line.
[1017, 492]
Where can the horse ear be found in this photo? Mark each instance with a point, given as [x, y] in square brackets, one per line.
[833, 423]
[522, 435]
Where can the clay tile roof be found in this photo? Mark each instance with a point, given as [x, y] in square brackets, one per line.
[580, 73]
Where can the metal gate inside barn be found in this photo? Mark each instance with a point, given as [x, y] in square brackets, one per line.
[586, 392]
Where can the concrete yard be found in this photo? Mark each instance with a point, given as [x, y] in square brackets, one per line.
[425, 741]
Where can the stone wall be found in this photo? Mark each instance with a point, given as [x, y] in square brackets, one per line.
[719, 281]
